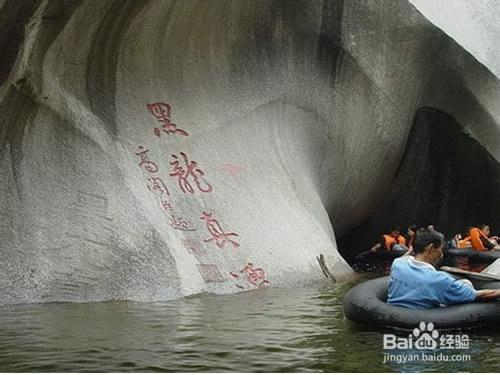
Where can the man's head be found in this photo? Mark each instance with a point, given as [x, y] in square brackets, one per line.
[429, 245]
[485, 229]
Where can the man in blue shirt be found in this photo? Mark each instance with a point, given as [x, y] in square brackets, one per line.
[415, 283]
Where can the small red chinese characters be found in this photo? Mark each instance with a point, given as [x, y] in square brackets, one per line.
[179, 223]
[145, 162]
[157, 184]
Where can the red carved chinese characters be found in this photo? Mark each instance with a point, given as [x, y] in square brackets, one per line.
[166, 205]
[179, 223]
[161, 111]
[218, 235]
[255, 277]
[191, 171]
[157, 184]
[145, 162]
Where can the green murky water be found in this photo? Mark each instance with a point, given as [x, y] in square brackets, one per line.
[269, 330]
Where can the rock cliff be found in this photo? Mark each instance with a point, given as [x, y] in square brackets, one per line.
[157, 149]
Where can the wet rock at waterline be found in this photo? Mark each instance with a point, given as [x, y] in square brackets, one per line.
[156, 149]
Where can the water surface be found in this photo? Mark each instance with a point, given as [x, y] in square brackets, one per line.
[268, 330]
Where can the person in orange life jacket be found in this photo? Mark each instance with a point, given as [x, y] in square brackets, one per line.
[459, 242]
[480, 240]
[390, 241]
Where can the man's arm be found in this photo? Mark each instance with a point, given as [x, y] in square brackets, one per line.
[487, 294]
[378, 245]
[487, 243]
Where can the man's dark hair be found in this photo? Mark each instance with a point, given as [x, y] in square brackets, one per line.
[482, 226]
[413, 228]
[426, 237]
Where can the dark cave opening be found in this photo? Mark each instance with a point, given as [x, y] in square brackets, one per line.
[445, 178]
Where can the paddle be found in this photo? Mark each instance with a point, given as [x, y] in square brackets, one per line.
[364, 253]
[480, 275]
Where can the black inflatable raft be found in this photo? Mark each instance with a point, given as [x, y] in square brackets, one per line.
[474, 255]
[365, 303]
[380, 254]
[485, 257]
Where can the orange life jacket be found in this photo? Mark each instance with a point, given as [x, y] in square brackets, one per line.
[390, 241]
[464, 243]
[476, 236]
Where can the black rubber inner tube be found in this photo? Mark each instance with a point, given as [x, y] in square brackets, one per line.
[365, 303]
[474, 255]
[381, 254]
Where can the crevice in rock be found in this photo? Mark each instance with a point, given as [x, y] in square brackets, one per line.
[19, 105]
[13, 18]
[103, 59]
[445, 177]
[12, 135]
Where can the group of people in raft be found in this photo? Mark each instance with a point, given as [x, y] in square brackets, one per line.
[414, 283]
[478, 238]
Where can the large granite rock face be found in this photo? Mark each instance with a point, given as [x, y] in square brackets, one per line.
[155, 149]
